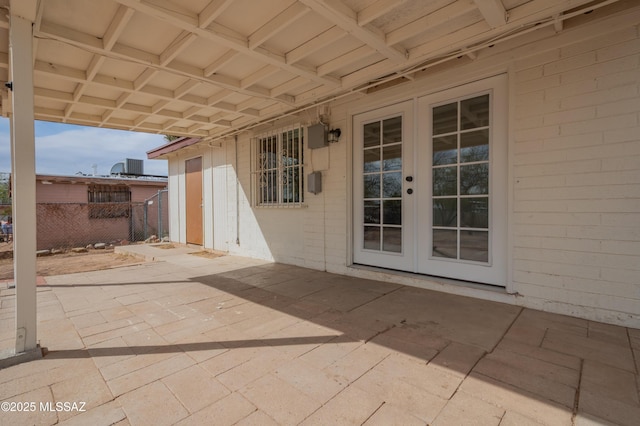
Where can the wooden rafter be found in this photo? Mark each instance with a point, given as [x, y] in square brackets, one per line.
[377, 9]
[117, 25]
[130, 54]
[212, 11]
[178, 45]
[441, 17]
[186, 20]
[277, 24]
[493, 12]
[332, 35]
[347, 19]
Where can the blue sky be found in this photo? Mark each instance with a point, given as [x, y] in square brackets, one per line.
[65, 149]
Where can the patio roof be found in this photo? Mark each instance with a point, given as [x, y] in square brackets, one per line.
[206, 68]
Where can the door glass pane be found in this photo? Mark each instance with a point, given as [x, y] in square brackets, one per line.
[445, 212]
[392, 157]
[474, 146]
[382, 154]
[392, 212]
[474, 245]
[372, 238]
[445, 150]
[392, 130]
[392, 186]
[445, 119]
[474, 179]
[445, 243]
[372, 211]
[372, 186]
[474, 212]
[372, 160]
[460, 193]
[372, 134]
[392, 239]
[474, 112]
[445, 181]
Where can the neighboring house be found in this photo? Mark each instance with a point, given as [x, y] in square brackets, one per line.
[510, 174]
[77, 210]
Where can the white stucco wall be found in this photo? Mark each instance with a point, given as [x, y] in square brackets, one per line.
[574, 177]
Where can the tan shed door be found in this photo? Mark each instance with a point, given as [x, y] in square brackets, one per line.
[193, 172]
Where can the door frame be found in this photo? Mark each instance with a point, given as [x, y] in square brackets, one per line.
[411, 95]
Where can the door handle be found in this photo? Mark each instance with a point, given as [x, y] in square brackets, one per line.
[409, 178]
[409, 191]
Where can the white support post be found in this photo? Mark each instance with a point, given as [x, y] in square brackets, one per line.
[23, 182]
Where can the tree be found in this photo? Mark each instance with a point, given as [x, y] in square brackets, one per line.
[170, 138]
[5, 194]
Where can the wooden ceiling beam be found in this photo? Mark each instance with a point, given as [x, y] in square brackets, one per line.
[36, 27]
[519, 17]
[144, 78]
[346, 18]
[441, 17]
[117, 26]
[138, 83]
[220, 62]
[493, 12]
[346, 59]
[25, 9]
[218, 96]
[185, 88]
[167, 96]
[377, 9]
[248, 106]
[190, 112]
[92, 71]
[258, 76]
[289, 85]
[212, 11]
[131, 54]
[177, 46]
[332, 35]
[182, 18]
[277, 24]
[558, 23]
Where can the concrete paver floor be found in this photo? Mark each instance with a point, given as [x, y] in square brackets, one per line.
[189, 340]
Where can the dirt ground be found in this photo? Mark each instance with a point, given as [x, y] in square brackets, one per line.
[67, 263]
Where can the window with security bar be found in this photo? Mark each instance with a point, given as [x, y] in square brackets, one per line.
[109, 201]
[278, 168]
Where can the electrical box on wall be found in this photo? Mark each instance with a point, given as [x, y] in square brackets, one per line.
[314, 182]
[317, 135]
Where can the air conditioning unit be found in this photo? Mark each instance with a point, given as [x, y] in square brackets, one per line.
[128, 166]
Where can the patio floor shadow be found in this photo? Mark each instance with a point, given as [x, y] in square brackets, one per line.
[188, 340]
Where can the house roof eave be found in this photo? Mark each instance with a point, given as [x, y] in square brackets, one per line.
[162, 151]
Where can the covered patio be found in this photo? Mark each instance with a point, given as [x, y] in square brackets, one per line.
[210, 70]
[192, 340]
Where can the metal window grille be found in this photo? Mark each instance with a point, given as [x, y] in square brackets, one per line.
[278, 168]
[109, 201]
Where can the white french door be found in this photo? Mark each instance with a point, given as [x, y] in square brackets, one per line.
[435, 204]
[383, 184]
[462, 156]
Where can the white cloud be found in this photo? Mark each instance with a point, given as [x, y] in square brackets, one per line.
[66, 150]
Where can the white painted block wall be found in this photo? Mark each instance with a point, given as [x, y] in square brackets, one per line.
[576, 172]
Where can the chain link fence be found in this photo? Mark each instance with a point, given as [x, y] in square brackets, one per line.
[68, 225]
